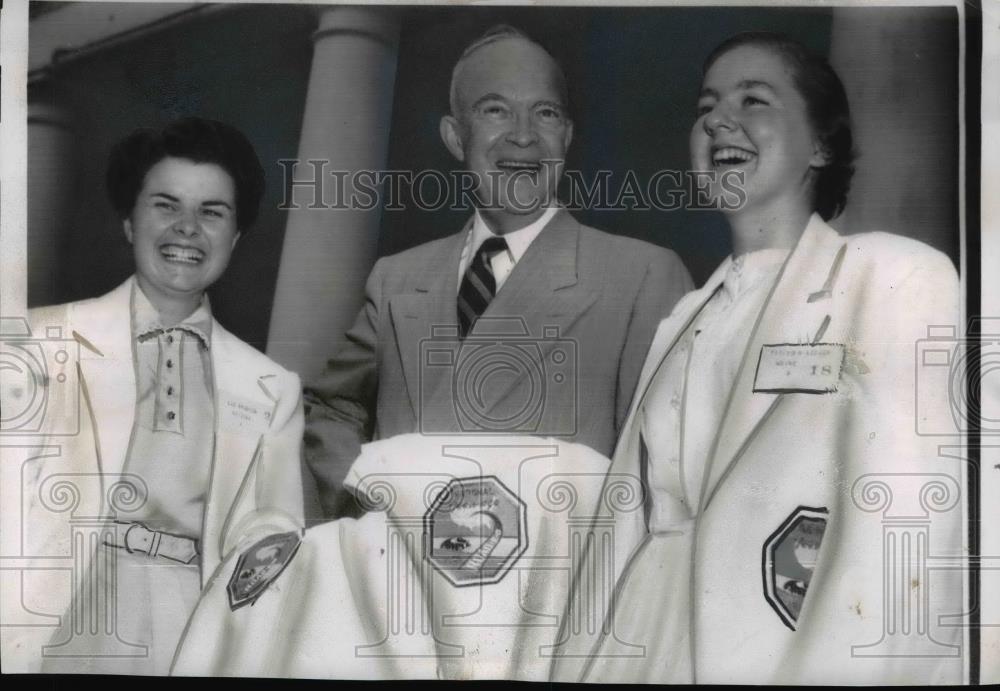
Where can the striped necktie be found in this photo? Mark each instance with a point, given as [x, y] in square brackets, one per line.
[478, 285]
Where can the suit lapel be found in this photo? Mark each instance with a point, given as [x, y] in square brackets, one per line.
[429, 311]
[103, 329]
[538, 296]
[796, 311]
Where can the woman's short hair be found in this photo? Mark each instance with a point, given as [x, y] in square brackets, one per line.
[826, 105]
[195, 139]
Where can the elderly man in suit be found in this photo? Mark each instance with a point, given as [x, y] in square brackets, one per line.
[523, 322]
[189, 438]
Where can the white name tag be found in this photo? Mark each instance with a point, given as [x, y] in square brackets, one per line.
[243, 415]
[799, 368]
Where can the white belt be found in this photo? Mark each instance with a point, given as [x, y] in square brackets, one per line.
[138, 538]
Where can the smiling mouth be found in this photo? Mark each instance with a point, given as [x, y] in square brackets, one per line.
[731, 156]
[511, 166]
[180, 254]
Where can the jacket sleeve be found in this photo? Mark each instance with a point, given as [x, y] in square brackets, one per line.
[340, 405]
[889, 577]
[665, 281]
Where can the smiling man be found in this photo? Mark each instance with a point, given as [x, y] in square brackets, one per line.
[525, 321]
[189, 438]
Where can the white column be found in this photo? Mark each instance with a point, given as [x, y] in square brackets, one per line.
[328, 252]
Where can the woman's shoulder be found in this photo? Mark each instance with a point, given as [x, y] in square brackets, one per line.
[252, 359]
[884, 252]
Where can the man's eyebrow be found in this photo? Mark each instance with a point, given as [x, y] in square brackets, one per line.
[551, 104]
[486, 97]
[708, 92]
[168, 197]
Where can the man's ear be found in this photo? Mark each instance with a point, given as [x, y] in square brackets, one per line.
[236, 236]
[568, 137]
[451, 135]
[127, 227]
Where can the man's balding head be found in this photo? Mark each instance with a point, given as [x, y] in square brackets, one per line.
[496, 34]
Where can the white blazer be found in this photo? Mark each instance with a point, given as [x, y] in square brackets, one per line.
[256, 483]
[854, 454]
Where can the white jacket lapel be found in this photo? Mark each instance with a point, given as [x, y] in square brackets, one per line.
[669, 332]
[797, 311]
[244, 408]
[626, 461]
[102, 327]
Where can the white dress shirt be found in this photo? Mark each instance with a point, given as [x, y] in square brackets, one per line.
[518, 241]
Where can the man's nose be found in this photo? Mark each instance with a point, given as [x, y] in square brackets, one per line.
[523, 131]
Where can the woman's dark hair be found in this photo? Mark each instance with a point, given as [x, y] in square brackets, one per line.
[195, 139]
[826, 105]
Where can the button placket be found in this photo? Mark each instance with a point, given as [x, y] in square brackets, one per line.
[168, 384]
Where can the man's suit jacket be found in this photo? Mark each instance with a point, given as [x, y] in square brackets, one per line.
[854, 454]
[567, 334]
[256, 484]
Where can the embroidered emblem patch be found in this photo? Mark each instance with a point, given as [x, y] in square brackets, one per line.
[259, 566]
[475, 531]
[789, 559]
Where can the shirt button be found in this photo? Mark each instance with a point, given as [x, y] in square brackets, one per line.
[170, 391]
[675, 401]
[171, 415]
[170, 364]
[170, 338]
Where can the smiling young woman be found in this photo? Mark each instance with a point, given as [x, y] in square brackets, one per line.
[773, 399]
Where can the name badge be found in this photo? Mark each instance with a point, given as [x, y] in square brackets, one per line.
[243, 415]
[799, 368]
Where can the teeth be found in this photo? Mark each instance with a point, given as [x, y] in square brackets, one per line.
[521, 165]
[731, 154]
[186, 255]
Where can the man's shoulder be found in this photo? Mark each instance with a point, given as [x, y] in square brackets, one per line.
[422, 252]
[622, 248]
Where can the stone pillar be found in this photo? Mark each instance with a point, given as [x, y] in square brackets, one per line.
[328, 252]
[900, 71]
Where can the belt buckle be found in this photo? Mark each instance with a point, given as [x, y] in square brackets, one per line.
[125, 537]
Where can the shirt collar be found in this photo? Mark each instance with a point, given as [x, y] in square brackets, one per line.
[749, 269]
[146, 320]
[519, 240]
